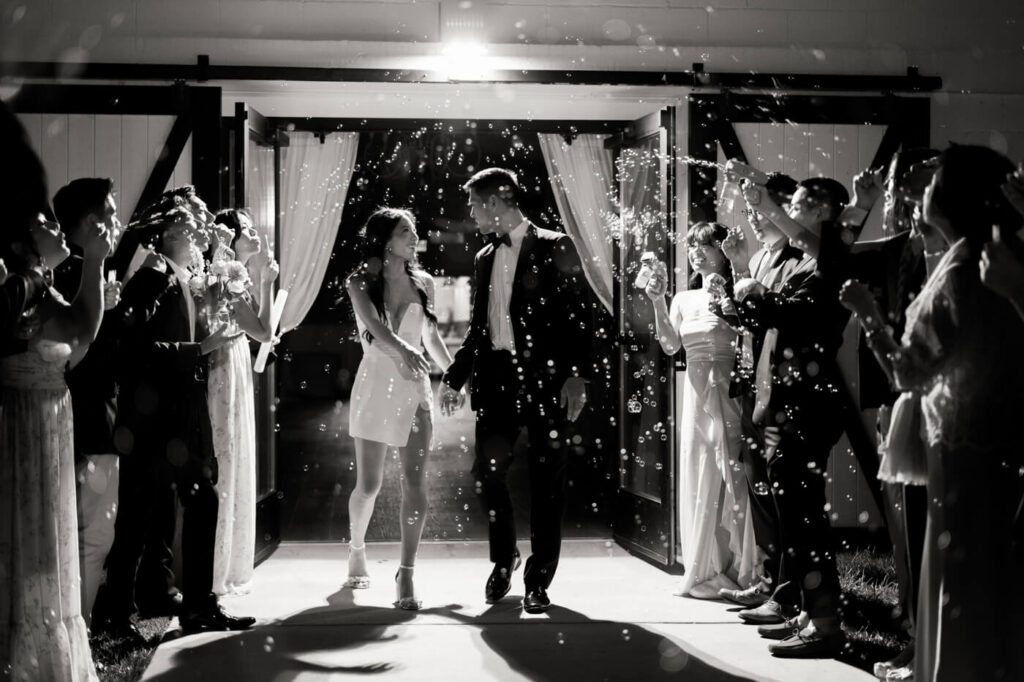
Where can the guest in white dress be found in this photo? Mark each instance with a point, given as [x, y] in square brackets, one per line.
[42, 632]
[392, 404]
[237, 246]
[716, 531]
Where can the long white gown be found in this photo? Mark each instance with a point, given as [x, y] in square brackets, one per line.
[716, 531]
[233, 417]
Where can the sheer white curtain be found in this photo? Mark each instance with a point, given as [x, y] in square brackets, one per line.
[582, 179]
[314, 183]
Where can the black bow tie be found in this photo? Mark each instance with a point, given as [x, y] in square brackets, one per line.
[498, 240]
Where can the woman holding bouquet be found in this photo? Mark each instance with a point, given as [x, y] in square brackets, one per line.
[716, 532]
[230, 299]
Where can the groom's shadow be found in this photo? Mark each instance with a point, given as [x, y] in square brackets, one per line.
[283, 648]
[569, 645]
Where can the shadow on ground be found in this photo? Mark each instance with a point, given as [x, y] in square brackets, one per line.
[565, 645]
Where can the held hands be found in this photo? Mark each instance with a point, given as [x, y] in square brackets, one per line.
[573, 397]
[657, 285]
[745, 171]
[451, 400]
[867, 187]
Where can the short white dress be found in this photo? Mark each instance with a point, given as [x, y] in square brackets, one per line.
[383, 401]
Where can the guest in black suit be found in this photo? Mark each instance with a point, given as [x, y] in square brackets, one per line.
[163, 431]
[80, 206]
[525, 355]
[797, 380]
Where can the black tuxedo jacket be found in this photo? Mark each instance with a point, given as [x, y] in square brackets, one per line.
[549, 308]
[162, 402]
[92, 381]
[805, 380]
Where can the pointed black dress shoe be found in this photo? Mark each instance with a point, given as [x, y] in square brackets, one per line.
[536, 600]
[214, 618]
[500, 580]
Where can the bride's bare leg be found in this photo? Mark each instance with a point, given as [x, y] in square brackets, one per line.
[369, 472]
[414, 494]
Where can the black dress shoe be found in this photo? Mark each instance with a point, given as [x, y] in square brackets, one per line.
[536, 600]
[500, 580]
[118, 629]
[214, 618]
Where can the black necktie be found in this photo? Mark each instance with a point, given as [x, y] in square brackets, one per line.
[498, 240]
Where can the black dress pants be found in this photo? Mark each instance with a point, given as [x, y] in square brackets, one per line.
[147, 479]
[504, 408]
[797, 461]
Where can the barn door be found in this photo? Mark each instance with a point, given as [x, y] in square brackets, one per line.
[644, 518]
[255, 154]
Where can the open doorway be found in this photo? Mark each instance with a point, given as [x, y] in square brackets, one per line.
[421, 165]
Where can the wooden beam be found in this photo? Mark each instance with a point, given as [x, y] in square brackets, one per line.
[203, 71]
[460, 125]
[165, 163]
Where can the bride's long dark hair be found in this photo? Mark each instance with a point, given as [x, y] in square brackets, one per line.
[375, 235]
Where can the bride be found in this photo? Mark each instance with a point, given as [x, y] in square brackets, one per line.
[391, 398]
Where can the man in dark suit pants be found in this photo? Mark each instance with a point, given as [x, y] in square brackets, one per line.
[163, 431]
[526, 356]
[797, 401]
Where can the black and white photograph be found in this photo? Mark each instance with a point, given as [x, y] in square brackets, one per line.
[512, 340]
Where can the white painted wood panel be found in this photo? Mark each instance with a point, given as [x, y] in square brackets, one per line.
[108, 157]
[53, 149]
[135, 161]
[122, 148]
[81, 146]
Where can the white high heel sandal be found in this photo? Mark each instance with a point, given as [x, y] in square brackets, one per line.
[405, 603]
[357, 582]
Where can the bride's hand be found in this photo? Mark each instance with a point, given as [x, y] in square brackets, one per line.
[411, 364]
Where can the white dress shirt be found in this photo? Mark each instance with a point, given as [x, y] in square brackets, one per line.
[183, 278]
[502, 275]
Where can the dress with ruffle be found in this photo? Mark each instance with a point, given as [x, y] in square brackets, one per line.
[42, 632]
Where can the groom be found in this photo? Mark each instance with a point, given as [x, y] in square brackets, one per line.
[525, 355]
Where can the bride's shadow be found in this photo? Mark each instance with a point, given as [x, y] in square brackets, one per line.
[279, 649]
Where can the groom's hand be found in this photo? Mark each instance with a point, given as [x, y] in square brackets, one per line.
[451, 400]
[574, 397]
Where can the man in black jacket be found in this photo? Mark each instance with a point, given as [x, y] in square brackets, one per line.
[163, 430]
[79, 206]
[797, 401]
[526, 356]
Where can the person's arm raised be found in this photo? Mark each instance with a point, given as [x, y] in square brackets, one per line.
[79, 323]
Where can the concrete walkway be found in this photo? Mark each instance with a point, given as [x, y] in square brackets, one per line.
[614, 619]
